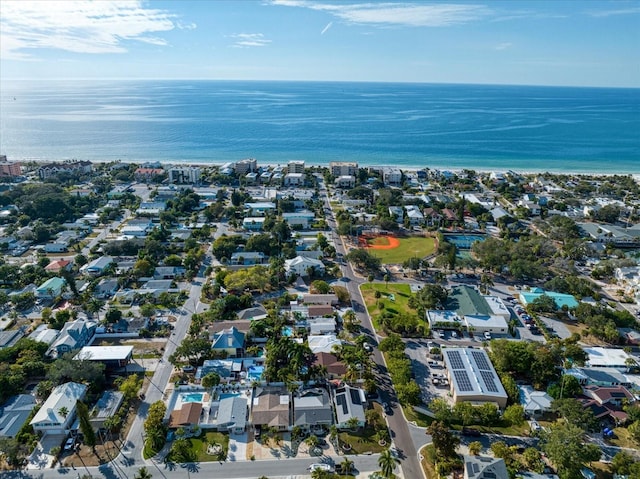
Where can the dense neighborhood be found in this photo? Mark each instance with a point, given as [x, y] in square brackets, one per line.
[331, 321]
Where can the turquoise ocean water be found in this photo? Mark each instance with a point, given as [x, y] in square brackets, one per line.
[407, 125]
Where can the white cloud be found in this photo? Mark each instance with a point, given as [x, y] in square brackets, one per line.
[79, 26]
[246, 40]
[503, 46]
[620, 11]
[397, 14]
[324, 30]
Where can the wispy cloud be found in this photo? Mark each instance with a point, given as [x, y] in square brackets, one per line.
[82, 27]
[246, 40]
[503, 46]
[324, 30]
[397, 14]
[610, 13]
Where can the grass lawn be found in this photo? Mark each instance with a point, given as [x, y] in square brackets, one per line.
[400, 304]
[420, 419]
[199, 445]
[504, 429]
[623, 438]
[414, 246]
[361, 442]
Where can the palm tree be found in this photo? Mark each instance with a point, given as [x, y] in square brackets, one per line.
[64, 412]
[485, 282]
[143, 473]
[347, 466]
[311, 441]
[387, 463]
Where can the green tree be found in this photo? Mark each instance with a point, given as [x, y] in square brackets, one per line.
[147, 310]
[155, 429]
[514, 414]
[565, 447]
[444, 442]
[130, 387]
[142, 473]
[387, 463]
[210, 380]
[532, 459]
[567, 387]
[475, 447]
[85, 425]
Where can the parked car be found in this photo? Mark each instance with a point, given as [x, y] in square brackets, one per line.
[70, 444]
[471, 432]
[320, 467]
[487, 335]
[454, 335]
[387, 408]
[441, 333]
[367, 347]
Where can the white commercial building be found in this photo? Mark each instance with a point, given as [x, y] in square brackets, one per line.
[472, 377]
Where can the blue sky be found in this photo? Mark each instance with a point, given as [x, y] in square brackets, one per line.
[546, 42]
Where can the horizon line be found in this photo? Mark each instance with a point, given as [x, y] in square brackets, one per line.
[382, 82]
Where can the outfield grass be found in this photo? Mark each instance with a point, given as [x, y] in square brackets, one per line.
[401, 293]
[414, 246]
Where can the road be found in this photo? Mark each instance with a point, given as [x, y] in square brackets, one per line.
[274, 469]
[396, 421]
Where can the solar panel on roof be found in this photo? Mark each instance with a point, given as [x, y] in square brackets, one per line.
[489, 381]
[481, 360]
[462, 379]
[455, 359]
[342, 402]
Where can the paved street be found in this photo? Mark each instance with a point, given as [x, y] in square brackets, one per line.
[398, 426]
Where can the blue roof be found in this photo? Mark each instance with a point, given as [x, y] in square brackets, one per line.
[559, 298]
[228, 339]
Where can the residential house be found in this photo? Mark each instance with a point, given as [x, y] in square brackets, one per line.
[151, 208]
[147, 174]
[261, 208]
[253, 223]
[113, 357]
[51, 288]
[55, 247]
[231, 415]
[53, 169]
[271, 408]
[349, 402]
[106, 288]
[397, 213]
[324, 343]
[414, 214]
[106, 407]
[98, 266]
[302, 219]
[74, 335]
[58, 265]
[312, 409]
[187, 417]
[247, 258]
[229, 340]
[334, 367]
[615, 396]
[392, 176]
[168, 272]
[484, 467]
[321, 325]
[326, 299]
[58, 412]
[44, 335]
[302, 266]
[345, 181]
[535, 403]
[14, 413]
[10, 338]
[157, 286]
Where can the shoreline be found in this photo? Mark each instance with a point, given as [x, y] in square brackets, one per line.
[456, 169]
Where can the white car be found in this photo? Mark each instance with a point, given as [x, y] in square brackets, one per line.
[320, 467]
[487, 335]
[454, 335]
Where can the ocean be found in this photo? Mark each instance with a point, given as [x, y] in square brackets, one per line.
[482, 127]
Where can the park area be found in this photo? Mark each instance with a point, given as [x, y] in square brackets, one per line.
[396, 250]
[393, 298]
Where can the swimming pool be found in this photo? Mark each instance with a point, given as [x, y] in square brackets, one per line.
[254, 373]
[191, 397]
[464, 241]
[287, 331]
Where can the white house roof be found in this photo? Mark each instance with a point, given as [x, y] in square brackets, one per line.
[66, 395]
[606, 357]
[323, 343]
[299, 261]
[533, 400]
[105, 353]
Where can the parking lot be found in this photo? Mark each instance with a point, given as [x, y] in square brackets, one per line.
[416, 350]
